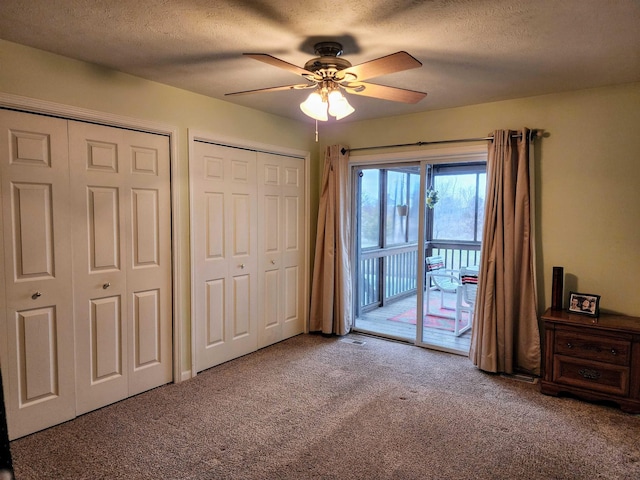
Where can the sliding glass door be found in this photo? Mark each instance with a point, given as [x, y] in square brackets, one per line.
[387, 226]
[453, 220]
[395, 231]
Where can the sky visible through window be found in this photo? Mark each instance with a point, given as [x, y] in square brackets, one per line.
[457, 216]
[454, 217]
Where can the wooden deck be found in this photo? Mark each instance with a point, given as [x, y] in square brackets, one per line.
[376, 322]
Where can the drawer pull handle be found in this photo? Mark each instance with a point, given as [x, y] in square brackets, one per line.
[569, 345]
[36, 295]
[589, 373]
[614, 351]
[242, 265]
[106, 285]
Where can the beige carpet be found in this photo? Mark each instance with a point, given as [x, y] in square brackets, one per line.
[328, 408]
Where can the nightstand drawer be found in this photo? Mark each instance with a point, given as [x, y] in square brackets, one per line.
[596, 376]
[591, 347]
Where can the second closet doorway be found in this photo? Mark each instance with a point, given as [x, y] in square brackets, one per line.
[249, 249]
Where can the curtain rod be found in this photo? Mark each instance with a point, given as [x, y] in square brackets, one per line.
[533, 134]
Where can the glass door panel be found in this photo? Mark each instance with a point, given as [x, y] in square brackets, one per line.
[391, 218]
[453, 232]
[386, 205]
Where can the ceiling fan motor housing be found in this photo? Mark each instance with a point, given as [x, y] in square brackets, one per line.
[328, 49]
[328, 59]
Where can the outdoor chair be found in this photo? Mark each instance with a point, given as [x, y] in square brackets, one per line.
[443, 279]
[466, 294]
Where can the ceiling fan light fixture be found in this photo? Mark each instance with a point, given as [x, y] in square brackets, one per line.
[315, 107]
[330, 75]
[339, 106]
[319, 103]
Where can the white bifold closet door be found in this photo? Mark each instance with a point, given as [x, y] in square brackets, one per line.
[281, 261]
[225, 260]
[122, 262]
[86, 259]
[36, 319]
[248, 282]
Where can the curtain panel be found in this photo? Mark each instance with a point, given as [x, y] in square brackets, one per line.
[331, 291]
[505, 337]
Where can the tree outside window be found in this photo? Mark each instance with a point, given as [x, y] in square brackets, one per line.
[459, 214]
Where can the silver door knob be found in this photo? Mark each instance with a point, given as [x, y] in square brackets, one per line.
[106, 285]
[242, 265]
[273, 262]
[36, 295]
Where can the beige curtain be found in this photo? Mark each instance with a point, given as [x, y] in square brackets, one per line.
[331, 309]
[505, 335]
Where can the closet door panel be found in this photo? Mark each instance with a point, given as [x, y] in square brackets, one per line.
[32, 222]
[36, 322]
[291, 295]
[280, 223]
[120, 186]
[293, 193]
[212, 327]
[240, 324]
[241, 231]
[146, 323]
[103, 218]
[211, 272]
[271, 232]
[149, 261]
[270, 263]
[224, 216]
[145, 233]
[147, 354]
[271, 303]
[37, 340]
[106, 328]
[98, 173]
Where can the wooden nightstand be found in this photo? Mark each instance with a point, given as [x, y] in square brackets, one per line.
[592, 358]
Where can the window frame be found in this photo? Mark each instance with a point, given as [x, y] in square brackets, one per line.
[476, 168]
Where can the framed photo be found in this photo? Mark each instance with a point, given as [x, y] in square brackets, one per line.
[584, 303]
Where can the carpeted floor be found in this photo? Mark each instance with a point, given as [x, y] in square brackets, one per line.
[329, 408]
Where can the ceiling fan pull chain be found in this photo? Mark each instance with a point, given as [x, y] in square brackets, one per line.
[316, 131]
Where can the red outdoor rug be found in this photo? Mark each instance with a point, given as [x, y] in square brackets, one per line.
[431, 321]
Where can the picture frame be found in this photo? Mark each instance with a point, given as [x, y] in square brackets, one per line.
[584, 304]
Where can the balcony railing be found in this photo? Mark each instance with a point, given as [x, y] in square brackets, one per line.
[455, 254]
[387, 274]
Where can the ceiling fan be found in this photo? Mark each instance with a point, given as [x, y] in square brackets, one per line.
[329, 74]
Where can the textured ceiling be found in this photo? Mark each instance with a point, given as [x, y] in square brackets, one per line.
[473, 51]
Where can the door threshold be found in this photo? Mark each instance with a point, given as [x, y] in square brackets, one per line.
[439, 348]
[394, 338]
[409, 341]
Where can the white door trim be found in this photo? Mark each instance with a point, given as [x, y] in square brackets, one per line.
[198, 135]
[32, 105]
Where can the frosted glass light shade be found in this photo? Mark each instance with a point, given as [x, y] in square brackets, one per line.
[339, 107]
[314, 107]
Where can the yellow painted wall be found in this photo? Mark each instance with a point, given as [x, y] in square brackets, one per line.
[587, 179]
[588, 168]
